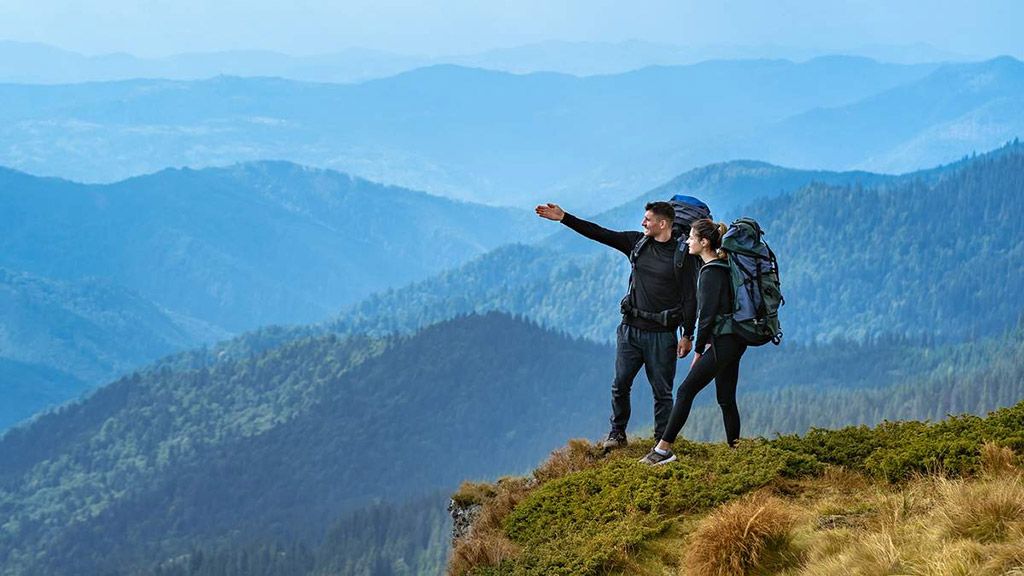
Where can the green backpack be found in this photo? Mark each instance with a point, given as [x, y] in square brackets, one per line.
[755, 286]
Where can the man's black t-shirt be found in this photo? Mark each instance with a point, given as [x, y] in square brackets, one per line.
[656, 286]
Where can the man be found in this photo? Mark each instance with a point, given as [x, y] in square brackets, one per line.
[660, 300]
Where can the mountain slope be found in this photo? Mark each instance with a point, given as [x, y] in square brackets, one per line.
[57, 339]
[904, 259]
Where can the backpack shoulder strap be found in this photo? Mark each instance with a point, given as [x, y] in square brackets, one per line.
[633, 254]
[719, 263]
[636, 250]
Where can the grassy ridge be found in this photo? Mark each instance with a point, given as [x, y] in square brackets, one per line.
[583, 514]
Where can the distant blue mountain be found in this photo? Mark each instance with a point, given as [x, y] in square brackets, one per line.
[34, 63]
[480, 135]
[244, 246]
[957, 109]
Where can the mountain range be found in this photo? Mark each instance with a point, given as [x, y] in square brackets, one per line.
[98, 279]
[34, 63]
[508, 139]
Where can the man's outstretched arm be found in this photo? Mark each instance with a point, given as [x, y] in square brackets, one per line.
[621, 241]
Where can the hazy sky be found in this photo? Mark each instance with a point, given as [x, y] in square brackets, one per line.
[159, 27]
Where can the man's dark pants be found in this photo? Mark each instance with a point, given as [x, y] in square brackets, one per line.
[656, 352]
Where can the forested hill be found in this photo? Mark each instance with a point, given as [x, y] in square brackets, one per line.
[940, 260]
[729, 187]
[278, 444]
[243, 246]
[58, 339]
[933, 253]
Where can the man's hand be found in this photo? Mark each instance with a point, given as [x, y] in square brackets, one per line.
[685, 345]
[696, 357]
[550, 211]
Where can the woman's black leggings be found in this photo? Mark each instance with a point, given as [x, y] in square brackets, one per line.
[721, 363]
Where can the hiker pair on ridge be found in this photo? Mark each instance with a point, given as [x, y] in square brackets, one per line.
[681, 280]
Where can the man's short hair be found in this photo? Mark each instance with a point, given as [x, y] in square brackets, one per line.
[662, 210]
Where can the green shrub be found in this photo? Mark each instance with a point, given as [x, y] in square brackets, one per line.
[896, 451]
[588, 521]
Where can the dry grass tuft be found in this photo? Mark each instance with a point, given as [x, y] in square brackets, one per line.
[510, 492]
[474, 493]
[951, 558]
[986, 511]
[933, 526]
[844, 480]
[855, 554]
[577, 455]
[486, 544]
[1006, 559]
[997, 460]
[741, 537]
[480, 548]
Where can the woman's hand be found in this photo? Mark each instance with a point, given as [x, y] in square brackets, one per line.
[685, 345]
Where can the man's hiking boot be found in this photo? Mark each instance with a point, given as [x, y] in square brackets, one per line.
[655, 459]
[615, 440]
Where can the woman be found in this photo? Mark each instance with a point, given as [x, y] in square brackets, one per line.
[717, 357]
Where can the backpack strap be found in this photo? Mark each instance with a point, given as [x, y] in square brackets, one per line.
[717, 263]
[636, 250]
[633, 255]
[778, 273]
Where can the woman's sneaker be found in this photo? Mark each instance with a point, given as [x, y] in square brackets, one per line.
[653, 458]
